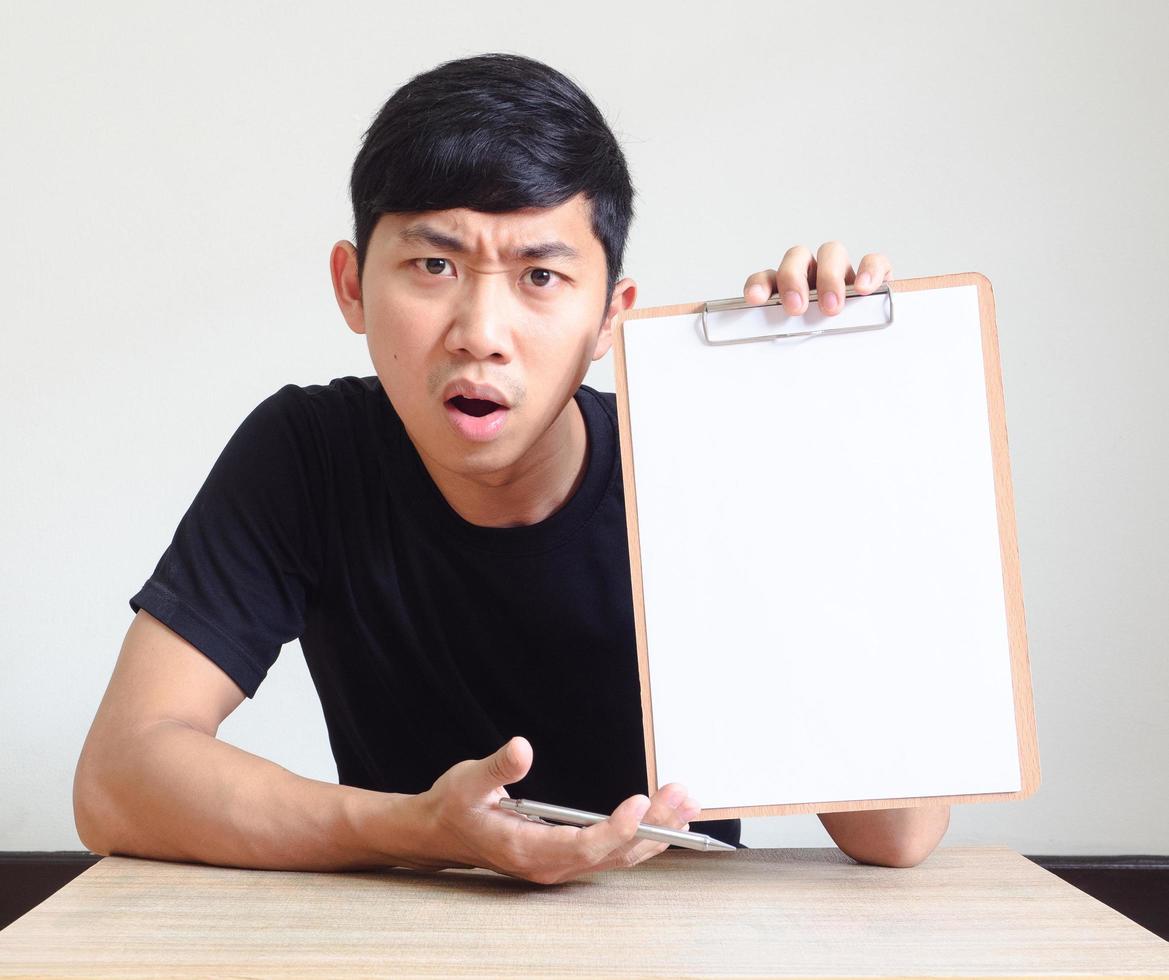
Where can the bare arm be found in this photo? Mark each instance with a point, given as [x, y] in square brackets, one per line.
[895, 837]
[154, 781]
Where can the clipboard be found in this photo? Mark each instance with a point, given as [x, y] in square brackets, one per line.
[823, 552]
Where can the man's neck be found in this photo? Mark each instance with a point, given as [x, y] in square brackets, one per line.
[532, 490]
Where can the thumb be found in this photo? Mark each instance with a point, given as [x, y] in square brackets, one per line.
[507, 764]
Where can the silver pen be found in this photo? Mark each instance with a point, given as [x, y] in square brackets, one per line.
[648, 831]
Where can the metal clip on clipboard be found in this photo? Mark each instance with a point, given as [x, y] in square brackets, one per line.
[737, 303]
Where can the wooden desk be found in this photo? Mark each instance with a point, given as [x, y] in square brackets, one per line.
[965, 911]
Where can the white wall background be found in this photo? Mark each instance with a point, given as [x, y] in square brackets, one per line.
[172, 177]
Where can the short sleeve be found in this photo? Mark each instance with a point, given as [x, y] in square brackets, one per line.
[238, 575]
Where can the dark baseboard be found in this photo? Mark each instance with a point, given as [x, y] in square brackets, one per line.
[27, 878]
[1137, 886]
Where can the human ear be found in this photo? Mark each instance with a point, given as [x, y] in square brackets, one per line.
[624, 296]
[346, 285]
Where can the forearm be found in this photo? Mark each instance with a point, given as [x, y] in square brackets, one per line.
[895, 837]
[177, 793]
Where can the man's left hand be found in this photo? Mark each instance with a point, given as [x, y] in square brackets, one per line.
[828, 272]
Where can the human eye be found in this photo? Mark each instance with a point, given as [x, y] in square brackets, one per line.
[542, 278]
[436, 266]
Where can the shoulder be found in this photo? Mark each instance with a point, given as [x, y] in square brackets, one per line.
[338, 394]
[606, 399]
[305, 429]
[324, 407]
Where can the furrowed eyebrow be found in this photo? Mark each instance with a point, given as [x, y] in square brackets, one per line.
[426, 235]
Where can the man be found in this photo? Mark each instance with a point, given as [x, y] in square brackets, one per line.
[447, 538]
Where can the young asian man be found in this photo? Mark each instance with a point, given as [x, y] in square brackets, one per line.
[446, 537]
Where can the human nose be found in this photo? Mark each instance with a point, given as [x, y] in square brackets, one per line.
[482, 320]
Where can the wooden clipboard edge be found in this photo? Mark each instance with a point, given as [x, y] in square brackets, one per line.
[1029, 768]
[626, 440]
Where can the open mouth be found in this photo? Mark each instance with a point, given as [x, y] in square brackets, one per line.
[475, 407]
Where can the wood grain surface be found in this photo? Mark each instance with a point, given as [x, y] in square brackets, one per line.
[807, 912]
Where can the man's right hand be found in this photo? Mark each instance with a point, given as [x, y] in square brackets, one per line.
[465, 827]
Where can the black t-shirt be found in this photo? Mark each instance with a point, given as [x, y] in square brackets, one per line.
[429, 639]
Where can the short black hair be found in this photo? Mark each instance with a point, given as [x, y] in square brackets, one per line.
[494, 132]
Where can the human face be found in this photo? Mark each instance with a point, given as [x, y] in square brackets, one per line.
[514, 300]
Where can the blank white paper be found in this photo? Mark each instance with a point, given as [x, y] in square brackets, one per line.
[823, 585]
